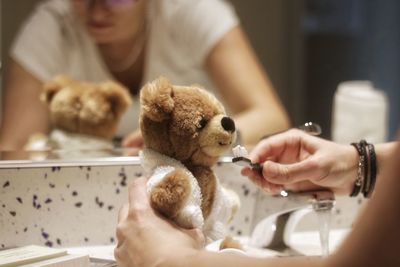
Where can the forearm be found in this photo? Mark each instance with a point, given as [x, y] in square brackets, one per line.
[15, 132]
[384, 153]
[253, 126]
[23, 112]
[246, 88]
[375, 237]
[205, 258]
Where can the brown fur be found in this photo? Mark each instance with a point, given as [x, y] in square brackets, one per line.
[156, 99]
[171, 118]
[169, 196]
[208, 183]
[184, 122]
[84, 107]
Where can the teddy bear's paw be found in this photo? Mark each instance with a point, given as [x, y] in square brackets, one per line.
[169, 196]
[190, 217]
[230, 242]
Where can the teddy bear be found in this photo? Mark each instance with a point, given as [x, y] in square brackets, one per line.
[84, 116]
[185, 130]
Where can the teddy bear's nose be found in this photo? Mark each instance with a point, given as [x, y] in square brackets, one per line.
[228, 124]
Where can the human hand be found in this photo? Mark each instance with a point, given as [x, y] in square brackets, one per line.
[134, 139]
[295, 160]
[145, 239]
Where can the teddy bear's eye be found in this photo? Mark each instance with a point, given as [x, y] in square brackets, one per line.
[202, 123]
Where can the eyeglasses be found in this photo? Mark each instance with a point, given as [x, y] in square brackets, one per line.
[111, 4]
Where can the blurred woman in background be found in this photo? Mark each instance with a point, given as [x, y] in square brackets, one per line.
[133, 42]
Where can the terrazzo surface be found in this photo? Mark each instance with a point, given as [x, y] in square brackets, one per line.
[78, 205]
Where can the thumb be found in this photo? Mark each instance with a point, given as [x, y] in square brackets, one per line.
[291, 173]
[138, 200]
[123, 212]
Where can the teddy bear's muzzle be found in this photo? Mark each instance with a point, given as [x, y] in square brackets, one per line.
[218, 135]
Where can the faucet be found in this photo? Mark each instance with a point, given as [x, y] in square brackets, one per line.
[274, 232]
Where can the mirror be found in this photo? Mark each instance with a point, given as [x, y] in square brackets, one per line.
[307, 47]
[66, 155]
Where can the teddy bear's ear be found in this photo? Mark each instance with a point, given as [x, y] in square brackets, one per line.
[156, 99]
[51, 88]
[117, 95]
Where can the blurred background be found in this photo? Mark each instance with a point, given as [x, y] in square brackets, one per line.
[307, 47]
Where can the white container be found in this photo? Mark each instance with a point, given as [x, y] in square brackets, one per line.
[360, 111]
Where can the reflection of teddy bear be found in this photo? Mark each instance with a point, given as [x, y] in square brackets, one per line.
[185, 130]
[84, 115]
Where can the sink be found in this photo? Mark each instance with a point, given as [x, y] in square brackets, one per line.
[306, 243]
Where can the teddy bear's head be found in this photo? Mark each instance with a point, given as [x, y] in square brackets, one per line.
[185, 122]
[84, 107]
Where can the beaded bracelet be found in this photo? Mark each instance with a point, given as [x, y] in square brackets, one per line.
[367, 169]
[367, 192]
[367, 177]
[360, 171]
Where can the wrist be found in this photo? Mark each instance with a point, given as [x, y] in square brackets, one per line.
[185, 257]
[352, 171]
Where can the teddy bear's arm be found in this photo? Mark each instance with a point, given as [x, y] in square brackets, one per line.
[208, 183]
[170, 195]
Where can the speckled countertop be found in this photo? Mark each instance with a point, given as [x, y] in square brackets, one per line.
[75, 203]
